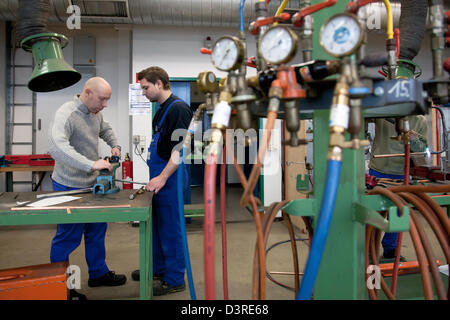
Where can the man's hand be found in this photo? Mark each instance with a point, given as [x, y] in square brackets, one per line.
[101, 164]
[115, 152]
[156, 184]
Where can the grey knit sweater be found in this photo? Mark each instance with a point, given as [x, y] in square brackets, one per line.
[73, 143]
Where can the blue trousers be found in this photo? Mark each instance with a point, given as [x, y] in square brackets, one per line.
[389, 241]
[68, 238]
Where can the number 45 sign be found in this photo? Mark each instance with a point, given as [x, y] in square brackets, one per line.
[400, 89]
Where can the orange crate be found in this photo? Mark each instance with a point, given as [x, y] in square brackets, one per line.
[39, 282]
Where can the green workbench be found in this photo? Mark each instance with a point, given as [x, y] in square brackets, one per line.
[139, 210]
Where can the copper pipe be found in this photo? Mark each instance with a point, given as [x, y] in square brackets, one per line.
[286, 273]
[397, 255]
[259, 233]
[369, 232]
[254, 175]
[420, 252]
[428, 291]
[287, 219]
[420, 188]
[437, 279]
[375, 261]
[270, 217]
[432, 220]
[398, 248]
[393, 155]
[444, 219]
[256, 265]
[223, 214]
[399, 202]
[209, 195]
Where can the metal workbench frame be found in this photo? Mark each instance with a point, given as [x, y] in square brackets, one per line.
[141, 214]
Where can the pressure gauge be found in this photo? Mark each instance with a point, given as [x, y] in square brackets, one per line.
[207, 82]
[278, 45]
[341, 35]
[227, 53]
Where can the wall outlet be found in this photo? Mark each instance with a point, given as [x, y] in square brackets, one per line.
[136, 139]
[142, 142]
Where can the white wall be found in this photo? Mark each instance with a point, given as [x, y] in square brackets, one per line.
[177, 50]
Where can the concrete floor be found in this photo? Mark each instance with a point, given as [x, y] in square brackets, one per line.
[30, 245]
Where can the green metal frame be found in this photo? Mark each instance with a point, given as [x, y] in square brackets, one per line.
[341, 272]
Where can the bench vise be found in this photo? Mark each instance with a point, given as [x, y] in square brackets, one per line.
[106, 183]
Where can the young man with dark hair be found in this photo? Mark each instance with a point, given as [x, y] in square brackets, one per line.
[163, 161]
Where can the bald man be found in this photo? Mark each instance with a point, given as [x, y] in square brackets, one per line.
[73, 143]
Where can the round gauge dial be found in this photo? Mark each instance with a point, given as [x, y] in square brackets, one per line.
[341, 35]
[227, 53]
[278, 45]
[206, 81]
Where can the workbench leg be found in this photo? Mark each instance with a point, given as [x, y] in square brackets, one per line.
[145, 260]
[9, 182]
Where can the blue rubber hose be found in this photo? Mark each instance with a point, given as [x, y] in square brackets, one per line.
[321, 233]
[187, 260]
[241, 16]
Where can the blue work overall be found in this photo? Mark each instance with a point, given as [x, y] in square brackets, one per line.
[68, 238]
[168, 254]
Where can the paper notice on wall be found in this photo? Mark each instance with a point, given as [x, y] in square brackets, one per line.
[139, 104]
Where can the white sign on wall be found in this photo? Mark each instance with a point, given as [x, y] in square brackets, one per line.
[139, 104]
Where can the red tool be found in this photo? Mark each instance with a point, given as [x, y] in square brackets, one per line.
[127, 171]
[31, 159]
[298, 18]
[205, 51]
[255, 25]
[287, 81]
[354, 6]
[250, 61]
[447, 65]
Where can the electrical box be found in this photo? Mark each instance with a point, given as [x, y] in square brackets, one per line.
[84, 50]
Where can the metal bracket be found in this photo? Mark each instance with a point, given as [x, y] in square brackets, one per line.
[394, 223]
[302, 208]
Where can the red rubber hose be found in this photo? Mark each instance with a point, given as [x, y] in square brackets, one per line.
[209, 194]
[223, 215]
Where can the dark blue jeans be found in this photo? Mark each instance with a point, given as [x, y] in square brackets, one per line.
[68, 238]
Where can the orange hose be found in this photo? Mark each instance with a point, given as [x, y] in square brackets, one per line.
[209, 194]
[438, 283]
[288, 221]
[223, 214]
[254, 175]
[426, 282]
[259, 233]
[398, 248]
